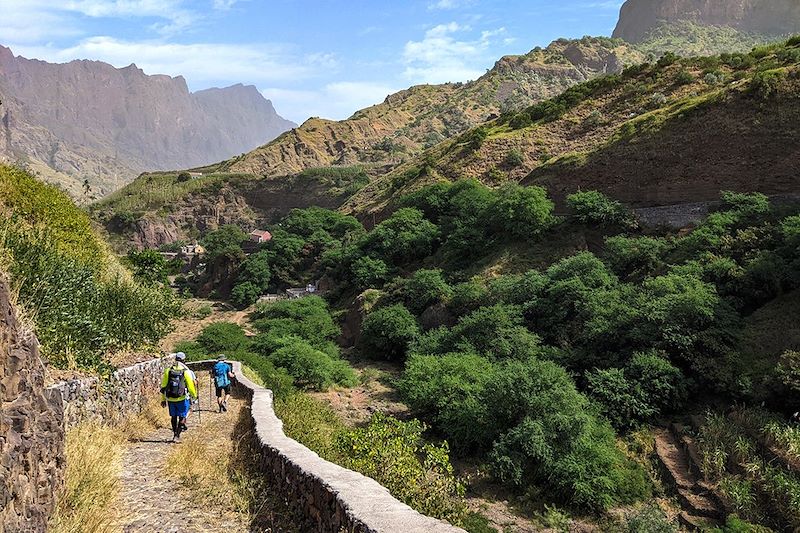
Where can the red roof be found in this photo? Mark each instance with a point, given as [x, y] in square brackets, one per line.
[261, 234]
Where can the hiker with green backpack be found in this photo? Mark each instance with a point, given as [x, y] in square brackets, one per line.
[177, 391]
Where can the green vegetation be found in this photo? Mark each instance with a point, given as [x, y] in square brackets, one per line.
[691, 39]
[293, 350]
[84, 303]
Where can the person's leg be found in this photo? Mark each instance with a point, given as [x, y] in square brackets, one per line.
[220, 391]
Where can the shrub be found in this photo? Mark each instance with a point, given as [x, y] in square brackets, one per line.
[766, 84]
[623, 403]
[523, 212]
[387, 332]
[514, 158]
[593, 207]
[307, 318]
[224, 242]
[395, 454]
[635, 257]
[184, 177]
[149, 266]
[468, 296]
[245, 294]
[448, 390]
[423, 289]
[649, 519]
[684, 77]
[403, 237]
[554, 438]
[312, 368]
[369, 273]
[223, 337]
[745, 204]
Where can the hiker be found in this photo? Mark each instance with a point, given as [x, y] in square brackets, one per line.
[180, 357]
[177, 391]
[222, 374]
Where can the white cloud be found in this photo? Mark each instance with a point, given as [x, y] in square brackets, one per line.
[200, 63]
[440, 57]
[449, 4]
[335, 101]
[224, 4]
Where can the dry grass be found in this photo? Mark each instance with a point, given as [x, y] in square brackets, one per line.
[89, 502]
[204, 464]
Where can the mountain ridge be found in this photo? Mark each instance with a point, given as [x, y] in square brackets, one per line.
[87, 119]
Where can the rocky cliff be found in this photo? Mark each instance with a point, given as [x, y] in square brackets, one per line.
[638, 18]
[88, 119]
[31, 434]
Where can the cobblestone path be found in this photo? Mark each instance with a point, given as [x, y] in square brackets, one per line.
[153, 503]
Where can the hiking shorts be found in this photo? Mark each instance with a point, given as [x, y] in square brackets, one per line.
[179, 409]
[226, 388]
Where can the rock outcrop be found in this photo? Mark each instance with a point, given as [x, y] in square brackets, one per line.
[89, 119]
[31, 433]
[769, 17]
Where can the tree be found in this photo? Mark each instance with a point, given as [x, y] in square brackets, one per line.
[224, 242]
[595, 208]
[223, 337]
[401, 238]
[523, 212]
[149, 266]
[252, 280]
[387, 332]
[423, 289]
[369, 273]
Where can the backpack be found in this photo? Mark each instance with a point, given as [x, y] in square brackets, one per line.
[176, 384]
[221, 374]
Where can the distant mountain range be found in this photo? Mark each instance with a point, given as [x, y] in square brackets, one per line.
[87, 120]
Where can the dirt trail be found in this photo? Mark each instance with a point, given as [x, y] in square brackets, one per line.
[154, 503]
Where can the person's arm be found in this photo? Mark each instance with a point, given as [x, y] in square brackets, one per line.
[190, 384]
[230, 371]
[164, 381]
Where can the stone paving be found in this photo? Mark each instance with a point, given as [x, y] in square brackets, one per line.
[153, 503]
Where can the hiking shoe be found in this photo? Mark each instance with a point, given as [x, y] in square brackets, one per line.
[183, 427]
[176, 438]
[224, 407]
[220, 408]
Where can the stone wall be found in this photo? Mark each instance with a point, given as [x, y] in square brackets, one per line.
[330, 497]
[31, 436]
[110, 399]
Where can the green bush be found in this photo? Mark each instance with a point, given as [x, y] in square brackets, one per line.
[308, 318]
[401, 238]
[224, 242]
[522, 212]
[149, 267]
[387, 332]
[369, 273]
[595, 208]
[223, 337]
[468, 296]
[649, 519]
[423, 289]
[395, 454]
[636, 257]
[245, 294]
[312, 368]
[447, 389]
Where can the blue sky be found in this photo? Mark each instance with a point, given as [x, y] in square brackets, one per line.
[311, 58]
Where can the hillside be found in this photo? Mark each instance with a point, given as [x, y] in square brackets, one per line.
[638, 18]
[83, 303]
[89, 120]
[322, 162]
[672, 132]
[425, 115]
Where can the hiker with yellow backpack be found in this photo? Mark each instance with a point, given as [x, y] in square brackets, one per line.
[177, 391]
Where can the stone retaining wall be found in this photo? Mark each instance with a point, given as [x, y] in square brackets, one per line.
[110, 399]
[330, 496]
[31, 436]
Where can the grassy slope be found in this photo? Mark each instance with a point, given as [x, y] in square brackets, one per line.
[630, 138]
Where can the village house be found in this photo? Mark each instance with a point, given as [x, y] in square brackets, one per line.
[260, 236]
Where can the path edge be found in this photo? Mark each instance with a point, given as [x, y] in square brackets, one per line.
[330, 496]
